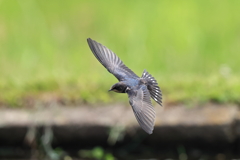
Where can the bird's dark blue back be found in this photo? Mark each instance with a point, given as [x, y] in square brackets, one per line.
[131, 82]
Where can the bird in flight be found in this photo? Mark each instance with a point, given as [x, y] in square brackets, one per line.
[139, 89]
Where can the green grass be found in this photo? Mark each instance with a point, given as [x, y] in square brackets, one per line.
[191, 47]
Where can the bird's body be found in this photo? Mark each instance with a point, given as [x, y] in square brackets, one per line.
[139, 89]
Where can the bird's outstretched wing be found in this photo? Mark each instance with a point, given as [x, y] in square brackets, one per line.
[140, 101]
[153, 87]
[110, 61]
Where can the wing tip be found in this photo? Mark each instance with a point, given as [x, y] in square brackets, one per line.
[149, 132]
[89, 40]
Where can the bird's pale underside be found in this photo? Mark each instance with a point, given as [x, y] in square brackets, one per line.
[139, 89]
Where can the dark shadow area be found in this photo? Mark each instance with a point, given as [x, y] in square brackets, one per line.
[165, 142]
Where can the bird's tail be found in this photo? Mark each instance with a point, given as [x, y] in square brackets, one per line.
[153, 87]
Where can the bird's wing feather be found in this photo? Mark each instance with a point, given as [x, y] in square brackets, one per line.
[110, 61]
[142, 107]
[153, 87]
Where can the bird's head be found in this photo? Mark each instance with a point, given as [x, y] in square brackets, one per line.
[118, 87]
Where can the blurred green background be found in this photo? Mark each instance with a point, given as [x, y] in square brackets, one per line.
[191, 47]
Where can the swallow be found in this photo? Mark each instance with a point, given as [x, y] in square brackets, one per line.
[139, 89]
